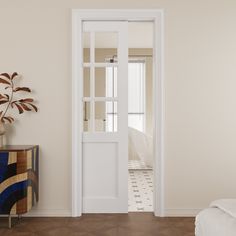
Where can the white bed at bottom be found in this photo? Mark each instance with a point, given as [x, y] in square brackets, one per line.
[218, 220]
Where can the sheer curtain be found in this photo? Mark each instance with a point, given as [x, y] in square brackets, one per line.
[136, 96]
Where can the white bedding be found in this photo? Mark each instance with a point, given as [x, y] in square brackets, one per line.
[140, 146]
[218, 220]
[226, 205]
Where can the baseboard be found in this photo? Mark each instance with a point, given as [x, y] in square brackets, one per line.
[174, 212]
[178, 212]
[49, 213]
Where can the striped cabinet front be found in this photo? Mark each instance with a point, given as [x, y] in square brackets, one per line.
[19, 174]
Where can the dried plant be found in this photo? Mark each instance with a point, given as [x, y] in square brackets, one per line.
[8, 100]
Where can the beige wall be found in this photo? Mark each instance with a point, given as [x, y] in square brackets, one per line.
[200, 97]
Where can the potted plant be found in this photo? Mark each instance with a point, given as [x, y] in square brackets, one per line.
[8, 100]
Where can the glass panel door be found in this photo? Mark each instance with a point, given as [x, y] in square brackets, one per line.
[105, 136]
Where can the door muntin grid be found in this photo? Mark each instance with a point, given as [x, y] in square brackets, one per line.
[100, 107]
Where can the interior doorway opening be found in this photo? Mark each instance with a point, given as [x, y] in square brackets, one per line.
[98, 111]
[140, 105]
[140, 117]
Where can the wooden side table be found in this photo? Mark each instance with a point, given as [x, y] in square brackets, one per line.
[19, 174]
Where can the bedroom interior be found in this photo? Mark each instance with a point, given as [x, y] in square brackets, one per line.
[199, 116]
[140, 118]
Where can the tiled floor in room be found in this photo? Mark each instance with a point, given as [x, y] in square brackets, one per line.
[140, 190]
[132, 224]
[140, 187]
[137, 165]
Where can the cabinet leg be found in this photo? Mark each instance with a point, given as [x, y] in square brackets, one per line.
[9, 221]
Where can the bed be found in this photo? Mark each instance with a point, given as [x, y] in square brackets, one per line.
[140, 147]
[217, 220]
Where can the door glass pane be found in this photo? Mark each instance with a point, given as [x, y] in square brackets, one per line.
[111, 116]
[86, 47]
[106, 116]
[106, 82]
[86, 82]
[111, 82]
[86, 109]
[106, 44]
[100, 116]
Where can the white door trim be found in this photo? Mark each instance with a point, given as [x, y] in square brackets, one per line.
[157, 16]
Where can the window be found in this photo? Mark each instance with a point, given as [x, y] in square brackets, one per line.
[136, 96]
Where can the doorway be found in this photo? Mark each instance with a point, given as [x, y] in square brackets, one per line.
[140, 117]
[100, 146]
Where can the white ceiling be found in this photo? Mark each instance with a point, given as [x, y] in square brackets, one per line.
[140, 36]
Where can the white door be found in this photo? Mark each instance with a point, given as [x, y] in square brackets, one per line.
[105, 136]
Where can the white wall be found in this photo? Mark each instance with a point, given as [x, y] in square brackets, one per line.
[200, 82]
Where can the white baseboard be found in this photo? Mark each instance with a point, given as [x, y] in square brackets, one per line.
[49, 213]
[174, 212]
[178, 212]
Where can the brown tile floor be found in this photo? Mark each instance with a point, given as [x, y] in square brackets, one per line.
[132, 224]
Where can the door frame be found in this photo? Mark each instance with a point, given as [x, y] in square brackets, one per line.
[157, 16]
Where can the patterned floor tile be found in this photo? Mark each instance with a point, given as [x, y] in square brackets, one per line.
[140, 190]
[138, 165]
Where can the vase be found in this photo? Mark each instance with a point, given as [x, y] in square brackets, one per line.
[2, 132]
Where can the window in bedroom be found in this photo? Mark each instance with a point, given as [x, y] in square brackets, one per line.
[136, 95]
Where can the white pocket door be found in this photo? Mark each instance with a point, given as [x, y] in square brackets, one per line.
[105, 136]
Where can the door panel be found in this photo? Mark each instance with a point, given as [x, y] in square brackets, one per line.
[107, 153]
[105, 136]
